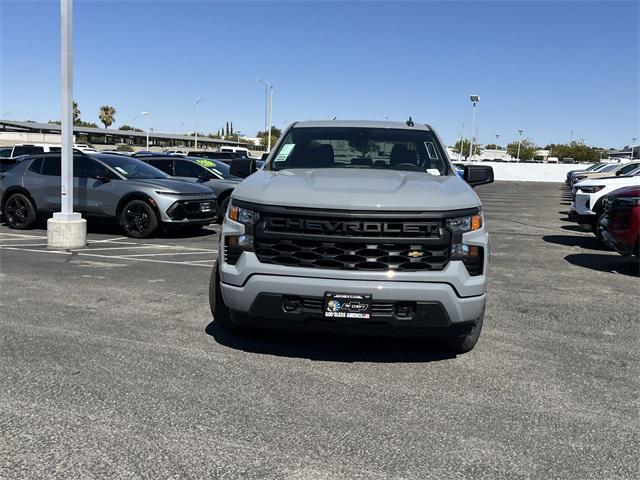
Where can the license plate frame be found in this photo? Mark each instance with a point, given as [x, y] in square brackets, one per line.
[205, 207]
[348, 306]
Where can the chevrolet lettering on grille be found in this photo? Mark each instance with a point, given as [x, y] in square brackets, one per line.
[305, 225]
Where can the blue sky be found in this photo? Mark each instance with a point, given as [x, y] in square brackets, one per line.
[547, 67]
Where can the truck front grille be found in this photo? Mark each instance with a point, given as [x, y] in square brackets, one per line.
[355, 243]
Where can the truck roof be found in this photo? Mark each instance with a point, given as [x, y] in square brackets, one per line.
[361, 124]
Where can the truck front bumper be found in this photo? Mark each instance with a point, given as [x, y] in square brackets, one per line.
[399, 308]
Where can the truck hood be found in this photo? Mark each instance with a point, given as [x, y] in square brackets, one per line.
[357, 189]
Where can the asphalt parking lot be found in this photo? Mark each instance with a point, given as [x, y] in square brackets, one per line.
[110, 367]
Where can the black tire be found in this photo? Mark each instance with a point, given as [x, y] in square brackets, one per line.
[19, 212]
[139, 219]
[222, 208]
[466, 343]
[596, 230]
[219, 310]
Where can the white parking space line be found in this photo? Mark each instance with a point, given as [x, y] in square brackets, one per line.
[25, 245]
[118, 257]
[108, 240]
[37, 250]
[166, 253]
[130, 247]
[201, 261]
[19, 239]
[22, 235]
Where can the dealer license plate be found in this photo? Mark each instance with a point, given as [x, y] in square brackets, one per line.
[347, 305]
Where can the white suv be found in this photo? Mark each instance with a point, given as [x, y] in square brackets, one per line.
[589, 194]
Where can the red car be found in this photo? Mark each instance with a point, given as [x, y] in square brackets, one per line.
[619, 226]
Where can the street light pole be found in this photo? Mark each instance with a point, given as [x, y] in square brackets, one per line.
[474, 100]
[268, 106]
[195, 116]
[633, 142]
[497, 139]
[519, 142]
[461, 150]
[67, 229]
[270, 112]
[147, 114]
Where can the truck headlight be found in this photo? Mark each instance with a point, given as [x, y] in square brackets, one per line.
[471, 255]
[465, 224]
[234, 245]
[241, 215]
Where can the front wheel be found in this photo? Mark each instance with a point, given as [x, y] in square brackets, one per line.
[466, 343]
[220, 312]
[222, 208]
[19, 212]
[138, 219]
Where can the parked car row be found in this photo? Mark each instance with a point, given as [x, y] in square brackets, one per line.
[608, 204]
[600, 170]
[181, 192]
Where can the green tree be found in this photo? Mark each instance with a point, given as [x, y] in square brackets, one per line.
[107, 115]
[527, 149]
[76, 113]
[126, 127]
[465, 145]
[576, 150]
[492, 146]
[264, 138]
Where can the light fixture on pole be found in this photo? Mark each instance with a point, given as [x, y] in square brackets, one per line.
[474, 100]
[67, 229]
[519, 142]
[195, 116]
[147, 114]
[268, 106]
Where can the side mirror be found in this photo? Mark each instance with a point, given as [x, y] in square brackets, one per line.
[476, 175]
[103, 178]
[242, 167]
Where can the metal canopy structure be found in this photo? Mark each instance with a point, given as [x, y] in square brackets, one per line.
[98, 135]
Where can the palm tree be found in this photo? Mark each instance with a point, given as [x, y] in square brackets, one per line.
[107, 115]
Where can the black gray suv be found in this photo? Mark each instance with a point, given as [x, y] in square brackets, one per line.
[140, 196]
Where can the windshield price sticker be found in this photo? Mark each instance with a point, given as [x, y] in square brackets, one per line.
[285, 152]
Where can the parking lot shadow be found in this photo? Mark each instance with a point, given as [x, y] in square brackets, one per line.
[572, 228]
[589, 242]
[606, 263]
[333, 348]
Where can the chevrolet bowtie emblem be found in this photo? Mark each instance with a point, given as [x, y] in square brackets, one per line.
[415, 253]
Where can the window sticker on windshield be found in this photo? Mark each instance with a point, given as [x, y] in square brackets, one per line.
[433, 171]
[285, 152]
[121, 170]
[206, 163]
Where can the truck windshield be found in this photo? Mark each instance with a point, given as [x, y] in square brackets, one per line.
[369, 148]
